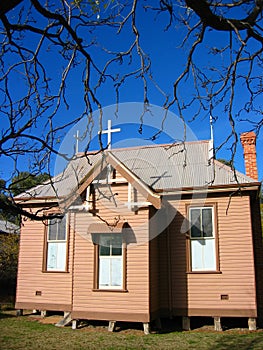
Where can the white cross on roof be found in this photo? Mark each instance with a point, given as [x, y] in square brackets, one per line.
[109, 131]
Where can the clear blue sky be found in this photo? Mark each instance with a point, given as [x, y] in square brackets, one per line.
[168, 61]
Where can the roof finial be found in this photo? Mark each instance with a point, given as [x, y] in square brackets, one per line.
[211, 142]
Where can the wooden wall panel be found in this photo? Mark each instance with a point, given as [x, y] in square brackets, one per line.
[134, 301]
[200, 292]
[55, 287]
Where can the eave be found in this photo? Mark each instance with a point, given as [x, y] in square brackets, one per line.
[253, 186]
[38, 200]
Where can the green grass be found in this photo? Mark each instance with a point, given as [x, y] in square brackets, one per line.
[27, 333]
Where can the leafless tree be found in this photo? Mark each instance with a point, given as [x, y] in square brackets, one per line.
[40, 36]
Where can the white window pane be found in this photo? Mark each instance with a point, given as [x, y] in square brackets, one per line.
[61, 256]
[196, 254]
[56, 256]
[209, 254]
[52, 256]
[104, 272]
[203, 255]
[116, 272]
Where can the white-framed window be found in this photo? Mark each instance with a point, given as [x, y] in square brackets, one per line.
[203, 255]
[56, 244]
[110, 260]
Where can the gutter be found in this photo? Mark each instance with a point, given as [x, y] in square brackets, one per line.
[212, 189]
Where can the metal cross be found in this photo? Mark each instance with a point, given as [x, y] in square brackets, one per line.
[77, 141]
[109, 131]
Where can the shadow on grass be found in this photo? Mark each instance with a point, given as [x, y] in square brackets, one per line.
[229, 342]
[119, 327]
[198, 324]
[6, 314]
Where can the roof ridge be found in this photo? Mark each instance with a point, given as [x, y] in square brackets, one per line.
[157, 145]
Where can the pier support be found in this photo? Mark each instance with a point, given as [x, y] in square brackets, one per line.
[252, 324]
[217, 324]
[74, 324]
[146, 328]
[186, 323]
[111, 326]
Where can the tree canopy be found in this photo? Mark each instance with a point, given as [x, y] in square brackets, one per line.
[58, 52]
[19, 184]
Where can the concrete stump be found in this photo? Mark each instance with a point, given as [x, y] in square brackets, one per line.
[111, 326]
[186, 323]
[146, 328]
[252, 324]
[217, 324]
[19, 312]
[74, 324]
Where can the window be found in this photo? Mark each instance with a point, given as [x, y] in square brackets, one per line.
[56, 244]
[202, 239]
[110, 261]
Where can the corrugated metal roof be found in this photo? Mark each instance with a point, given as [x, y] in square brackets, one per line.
[161, 167]
[63, 184]
[178, 166]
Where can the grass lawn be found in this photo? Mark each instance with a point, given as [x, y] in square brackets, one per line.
[27, 332]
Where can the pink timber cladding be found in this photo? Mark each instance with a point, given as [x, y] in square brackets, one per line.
[199, 294]
[73, 290]
[157, 279]
[55, 288]
[148, 290]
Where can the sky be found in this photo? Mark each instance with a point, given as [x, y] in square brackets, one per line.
[168, 61]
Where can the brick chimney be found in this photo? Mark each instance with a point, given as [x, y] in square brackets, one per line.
[248, 141]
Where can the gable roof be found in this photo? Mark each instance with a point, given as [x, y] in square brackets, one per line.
[178, 166]
[154, 169]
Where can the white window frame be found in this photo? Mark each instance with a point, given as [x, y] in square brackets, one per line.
[203, 249]
[56, 249]
[107, 262]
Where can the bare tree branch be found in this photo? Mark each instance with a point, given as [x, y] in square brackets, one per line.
[73, 36]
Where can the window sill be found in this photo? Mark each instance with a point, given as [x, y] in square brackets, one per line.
[203, 272]
[110, 290]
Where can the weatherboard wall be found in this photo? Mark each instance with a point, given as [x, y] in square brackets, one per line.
[131, 303]
[74, 289]
[158, 282]
[230, 291]
[37, 289]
